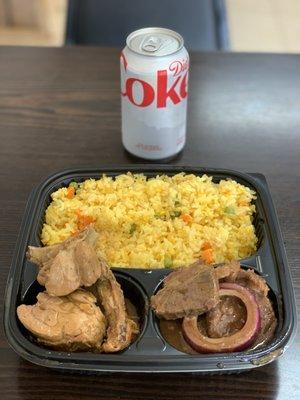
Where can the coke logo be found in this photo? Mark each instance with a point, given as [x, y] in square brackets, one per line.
[176, 92]
[160, 94]
[177, 67]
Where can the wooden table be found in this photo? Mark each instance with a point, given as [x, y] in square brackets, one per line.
[60, 108]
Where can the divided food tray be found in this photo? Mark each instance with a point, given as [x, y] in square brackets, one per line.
[150, 352]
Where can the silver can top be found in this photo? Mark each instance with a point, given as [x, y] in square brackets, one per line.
[154, 42]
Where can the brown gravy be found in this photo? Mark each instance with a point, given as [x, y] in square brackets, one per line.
[172, 333]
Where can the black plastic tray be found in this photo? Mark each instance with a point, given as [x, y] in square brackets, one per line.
[150, 352]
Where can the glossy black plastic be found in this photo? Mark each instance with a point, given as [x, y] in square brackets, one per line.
[150, 352]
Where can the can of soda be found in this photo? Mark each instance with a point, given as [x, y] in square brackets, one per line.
[154, 88]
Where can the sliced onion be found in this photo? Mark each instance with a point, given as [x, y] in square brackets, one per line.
[239, 341]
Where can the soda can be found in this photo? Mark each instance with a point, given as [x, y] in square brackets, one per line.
[154, 89]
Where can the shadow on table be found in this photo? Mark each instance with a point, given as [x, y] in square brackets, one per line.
[136, 160]
[38, 382]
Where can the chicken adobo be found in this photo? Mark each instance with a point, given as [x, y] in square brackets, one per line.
[72, 322]
[69, 318]
[69, 265]
[121, 329]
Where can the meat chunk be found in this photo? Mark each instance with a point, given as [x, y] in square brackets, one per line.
[230, 315]
[227, 270]
[69, 323]
[188, 291]
[69, 265]
[40, 255]
[121, 329]
[250, 280]
[227, 318]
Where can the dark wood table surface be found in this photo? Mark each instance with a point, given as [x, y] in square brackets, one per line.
[60, 108]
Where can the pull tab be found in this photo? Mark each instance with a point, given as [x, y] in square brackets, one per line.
[151, 44]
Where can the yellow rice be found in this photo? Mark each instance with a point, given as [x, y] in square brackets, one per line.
[140, 219]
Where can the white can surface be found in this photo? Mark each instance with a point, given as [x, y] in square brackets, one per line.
[154, 82]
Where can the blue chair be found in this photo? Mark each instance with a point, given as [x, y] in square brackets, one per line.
[202, 23]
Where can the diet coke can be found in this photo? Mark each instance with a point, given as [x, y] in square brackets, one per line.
[154, 82]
